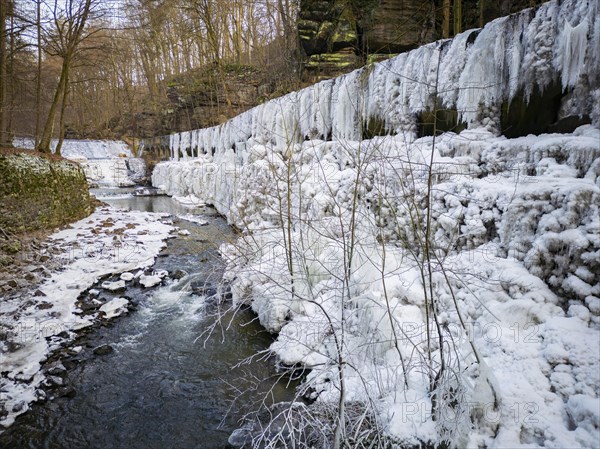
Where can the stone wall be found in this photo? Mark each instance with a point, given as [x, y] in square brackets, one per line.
[40, 192]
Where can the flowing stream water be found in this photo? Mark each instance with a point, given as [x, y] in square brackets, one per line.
[162, 386]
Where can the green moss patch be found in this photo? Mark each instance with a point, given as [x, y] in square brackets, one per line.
[40, 192]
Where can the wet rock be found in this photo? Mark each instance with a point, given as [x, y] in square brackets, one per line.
[199, 288]
[89, 306]
[40, 395]
[66, 392]
[241, 437]
[103, 350]
[43, 305]
[54, 381]
[178, 274]
[69, 364]
[18, 406]
[56, 369]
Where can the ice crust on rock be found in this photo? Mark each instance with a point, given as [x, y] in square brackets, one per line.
[114, 307]
[127, 276]
[515, 227]
[150, 280]
[114, 286]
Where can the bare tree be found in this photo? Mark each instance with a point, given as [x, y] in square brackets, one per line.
[5, 138]
[70, 20]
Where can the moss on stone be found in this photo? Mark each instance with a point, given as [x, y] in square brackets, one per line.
[40, 193]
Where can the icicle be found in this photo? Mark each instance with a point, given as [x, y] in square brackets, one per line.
[572, 52]
[508, 55]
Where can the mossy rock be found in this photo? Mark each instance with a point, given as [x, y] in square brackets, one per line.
[40, 193]
[11, 247]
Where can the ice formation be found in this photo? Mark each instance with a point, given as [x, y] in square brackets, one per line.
[90, 149]
[451, 282]
[107, 163]
[472, 73]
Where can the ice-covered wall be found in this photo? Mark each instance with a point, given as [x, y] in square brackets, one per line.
[473, 73]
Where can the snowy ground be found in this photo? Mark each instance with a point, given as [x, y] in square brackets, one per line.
[35, 324]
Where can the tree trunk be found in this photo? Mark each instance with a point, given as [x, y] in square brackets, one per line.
[38, 82]
[46, 140]
[457, 16]
[61, 128]
[446, 19]
[5, 139]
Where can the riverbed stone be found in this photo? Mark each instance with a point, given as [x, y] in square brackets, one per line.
[150, 281]
[127, 277]
[178, 274]
[113, 286]
[44, 305]
[56, 369]
[103, 350]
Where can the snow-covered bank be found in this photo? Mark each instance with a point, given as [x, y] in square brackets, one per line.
[516, 228]
[451, 285]
[109, 241]
[106, 163]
